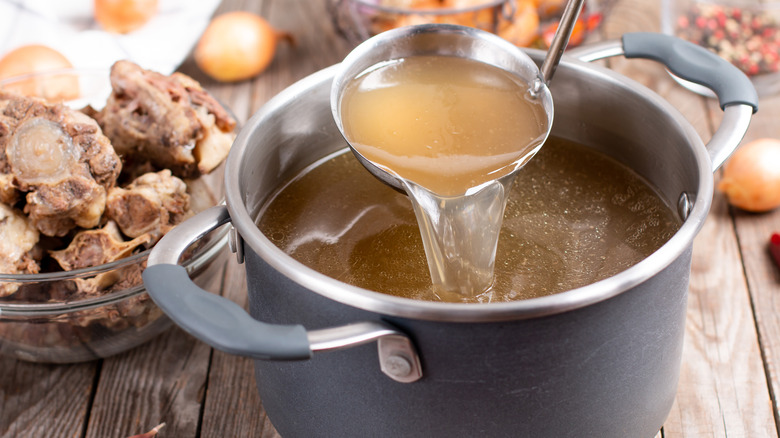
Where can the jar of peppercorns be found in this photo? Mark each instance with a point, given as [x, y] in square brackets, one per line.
[744, 32]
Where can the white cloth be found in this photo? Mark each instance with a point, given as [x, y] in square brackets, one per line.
[69, 27]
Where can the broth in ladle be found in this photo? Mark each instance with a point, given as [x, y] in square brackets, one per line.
[452, 130]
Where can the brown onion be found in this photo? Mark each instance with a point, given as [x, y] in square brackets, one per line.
[37, 58]
[237, 46]
[123, 16]
[751, 177]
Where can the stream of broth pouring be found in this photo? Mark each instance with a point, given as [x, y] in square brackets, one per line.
[453, 130]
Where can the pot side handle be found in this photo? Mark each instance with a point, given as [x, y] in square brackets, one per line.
[225, 326]
[221, 322]
[694, 63]
[736, 94]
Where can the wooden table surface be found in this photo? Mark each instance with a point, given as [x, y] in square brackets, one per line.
[729, 375]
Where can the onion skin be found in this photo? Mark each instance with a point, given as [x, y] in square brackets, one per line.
[30, 59]
[237, 46]
[124, 16]
[751, 177]
[37, 58]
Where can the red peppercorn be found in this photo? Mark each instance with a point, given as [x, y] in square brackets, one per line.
[721, 16]
[774, 247]
[744, 38]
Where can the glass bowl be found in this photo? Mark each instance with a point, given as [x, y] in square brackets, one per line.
[76, 88]
[744, 32]
[47, 326]
[90, 313]
[525, 23]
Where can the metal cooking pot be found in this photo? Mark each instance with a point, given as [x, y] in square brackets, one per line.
[599, 361]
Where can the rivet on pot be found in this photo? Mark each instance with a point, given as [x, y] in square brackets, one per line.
[398, 366]
[236, 244]
[684, 206]
[398, 359]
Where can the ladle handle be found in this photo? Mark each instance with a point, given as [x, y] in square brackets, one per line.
[736, 94]
[561, 39]
[225, 326]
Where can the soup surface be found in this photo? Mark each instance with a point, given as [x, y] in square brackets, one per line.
[574, 216]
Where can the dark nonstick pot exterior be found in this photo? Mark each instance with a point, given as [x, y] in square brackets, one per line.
[606, 370]
[599, 361]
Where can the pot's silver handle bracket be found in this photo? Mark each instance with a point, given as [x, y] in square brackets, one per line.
[225, 326]
[398, 358]
[736, 94]
[736, 119]
[596, 51]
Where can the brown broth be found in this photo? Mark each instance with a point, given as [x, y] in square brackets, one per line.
[574, 217]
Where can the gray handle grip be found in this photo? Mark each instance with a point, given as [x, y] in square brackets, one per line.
[225, 326]
[220, 322]
[694, 63]
[737, 96]
[215, 320]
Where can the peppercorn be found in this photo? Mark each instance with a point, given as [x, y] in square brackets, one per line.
[774, 247]
[749, 40]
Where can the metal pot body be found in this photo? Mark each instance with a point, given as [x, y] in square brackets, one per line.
[605, 370]
[598, 361]
[608, 369]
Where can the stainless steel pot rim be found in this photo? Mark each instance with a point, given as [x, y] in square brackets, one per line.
[459, 312]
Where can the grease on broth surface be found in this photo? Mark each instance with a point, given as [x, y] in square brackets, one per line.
[574, 217]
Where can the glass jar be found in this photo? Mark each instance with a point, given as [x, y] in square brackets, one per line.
[525, 23]
[744, 32]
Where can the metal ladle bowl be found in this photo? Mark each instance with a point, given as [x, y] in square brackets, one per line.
[452, 40]
[435, 39]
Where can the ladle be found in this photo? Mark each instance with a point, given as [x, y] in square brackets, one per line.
[560, 40]
[452, 40]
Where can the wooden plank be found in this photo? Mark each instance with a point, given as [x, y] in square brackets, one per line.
[763, 276]
[232, 405]
[764, 284]
[631, 16]
[235, 95]
[132, 396]
[722, 389]
[162, 381]
[159, 382]
[40, 400]
[317, 45]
